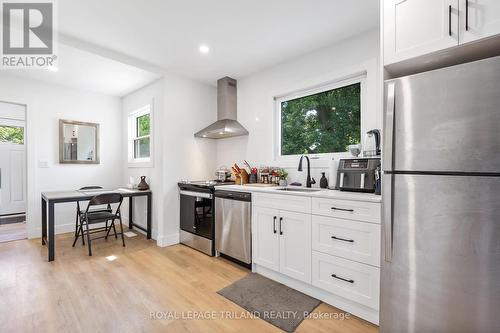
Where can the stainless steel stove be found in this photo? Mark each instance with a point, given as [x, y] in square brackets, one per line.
[197, 214]
[205, 183]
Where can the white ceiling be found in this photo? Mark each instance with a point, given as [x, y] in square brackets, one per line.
[117, 46]
[89, 71]
[244, 36]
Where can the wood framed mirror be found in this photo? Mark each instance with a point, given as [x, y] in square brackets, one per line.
[78, 142]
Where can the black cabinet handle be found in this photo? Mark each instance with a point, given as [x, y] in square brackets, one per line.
[281, 230]
[466, 15]
[449, 20]
[339, 278]
[343, 239]
[274, 224]
[343, 209]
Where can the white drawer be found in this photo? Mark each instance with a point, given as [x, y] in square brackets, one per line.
[283, 201]
[360, 282]
[358, 241]
[347, 209]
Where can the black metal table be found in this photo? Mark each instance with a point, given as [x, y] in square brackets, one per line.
[49, 199]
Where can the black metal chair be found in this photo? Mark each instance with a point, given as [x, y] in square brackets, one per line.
[78, 230]
[90, 217]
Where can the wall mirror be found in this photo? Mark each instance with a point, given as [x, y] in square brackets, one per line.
[78, 142]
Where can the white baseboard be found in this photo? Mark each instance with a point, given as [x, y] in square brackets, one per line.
[168, 240]
[359, 310]
[59, 229]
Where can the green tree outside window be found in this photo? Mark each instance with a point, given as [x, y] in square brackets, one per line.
[326, 122]
[12, 134]
[143, 125]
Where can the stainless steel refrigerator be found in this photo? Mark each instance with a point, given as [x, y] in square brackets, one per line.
[441, 201]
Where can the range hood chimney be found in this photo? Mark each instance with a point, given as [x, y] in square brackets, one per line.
[226, 125]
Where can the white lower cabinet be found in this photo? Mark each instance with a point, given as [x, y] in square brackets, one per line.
[282, 242]
[358, 241]
[328, 248]
[265, 236]
[295, 245]
[351, 280]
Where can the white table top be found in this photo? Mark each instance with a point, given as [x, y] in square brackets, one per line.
[82, 194]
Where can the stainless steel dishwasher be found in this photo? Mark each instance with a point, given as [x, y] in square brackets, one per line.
[233, 234]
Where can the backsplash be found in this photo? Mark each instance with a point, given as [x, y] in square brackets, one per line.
[300, 176]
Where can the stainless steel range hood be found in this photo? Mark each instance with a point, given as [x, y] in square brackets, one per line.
[226, 125]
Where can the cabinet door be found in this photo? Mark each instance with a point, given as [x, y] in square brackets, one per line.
[479, 19]
[295, 245]
[417, 27]
[265, 237]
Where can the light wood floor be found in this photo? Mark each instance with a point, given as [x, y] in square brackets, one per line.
[13, 231]
[77, 293]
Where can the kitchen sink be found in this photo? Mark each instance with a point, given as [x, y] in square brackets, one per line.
[299, 189]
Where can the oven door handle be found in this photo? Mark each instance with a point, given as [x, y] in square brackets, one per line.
[196, 194]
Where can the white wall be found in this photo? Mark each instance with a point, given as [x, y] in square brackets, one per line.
[256, 99]
[46, 104]
[182, 107]
[151, 94]
[189, 107]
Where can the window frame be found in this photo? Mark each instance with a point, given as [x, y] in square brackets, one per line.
[132, 136]
[361, 79]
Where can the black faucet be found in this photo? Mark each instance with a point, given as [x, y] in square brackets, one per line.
[309, 181]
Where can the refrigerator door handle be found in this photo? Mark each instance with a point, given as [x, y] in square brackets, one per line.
[387, 162]
[387, 216]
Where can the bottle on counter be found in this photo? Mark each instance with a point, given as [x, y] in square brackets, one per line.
[323, 182]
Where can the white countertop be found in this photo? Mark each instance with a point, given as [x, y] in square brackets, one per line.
[332, 194]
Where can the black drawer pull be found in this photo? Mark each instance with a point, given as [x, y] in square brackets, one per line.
[343, 209]
[343, 239]
[274, 224]
[281, 230]
[335, 276]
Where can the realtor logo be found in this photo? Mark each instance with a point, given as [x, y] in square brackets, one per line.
[28, 34]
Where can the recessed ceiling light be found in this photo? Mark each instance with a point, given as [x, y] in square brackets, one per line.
[204, 49]
[53, 68]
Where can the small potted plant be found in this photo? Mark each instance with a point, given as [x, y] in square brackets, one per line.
[283, 175]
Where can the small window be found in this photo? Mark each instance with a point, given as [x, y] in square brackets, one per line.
[140, 126]
[142, 138]
[321, 122]
[12, 134]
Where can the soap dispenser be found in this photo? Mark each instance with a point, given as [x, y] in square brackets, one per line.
[323, 182]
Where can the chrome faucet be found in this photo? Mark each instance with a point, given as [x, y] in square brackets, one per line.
[309, 180]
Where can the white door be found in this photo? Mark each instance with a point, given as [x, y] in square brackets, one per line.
[12, 167]
[265, 242]
[295, 245]
[479, 19]
[417, 27]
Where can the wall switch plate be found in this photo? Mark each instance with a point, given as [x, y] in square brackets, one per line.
[43, 163]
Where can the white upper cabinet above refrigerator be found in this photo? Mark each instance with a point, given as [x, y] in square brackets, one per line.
[417, 27]
[479, 19]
